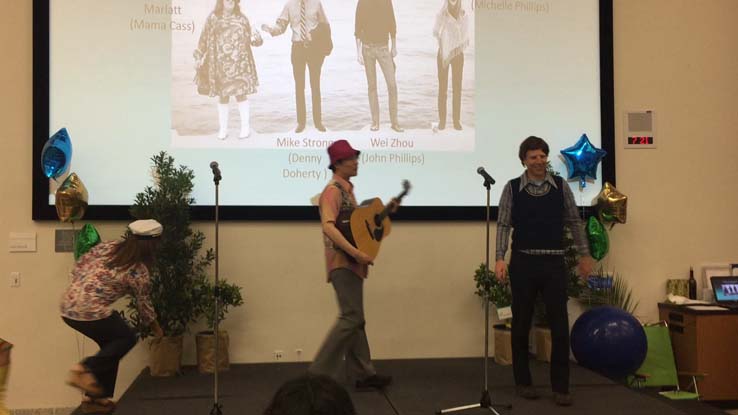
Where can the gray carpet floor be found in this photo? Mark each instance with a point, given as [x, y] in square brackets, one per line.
[421, 386]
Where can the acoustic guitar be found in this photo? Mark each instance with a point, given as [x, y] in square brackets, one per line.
[366, 226]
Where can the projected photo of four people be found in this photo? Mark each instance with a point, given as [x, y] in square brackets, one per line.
[225, 65]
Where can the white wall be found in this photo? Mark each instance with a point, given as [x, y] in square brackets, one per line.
[677, 57]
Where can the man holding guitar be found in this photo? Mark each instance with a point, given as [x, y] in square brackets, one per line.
[347, 268]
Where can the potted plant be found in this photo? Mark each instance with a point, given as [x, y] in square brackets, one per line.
[609, 289]
[498, 293]
[179, 271]
[230, 296]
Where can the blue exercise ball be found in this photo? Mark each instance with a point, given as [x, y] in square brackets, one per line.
[610, 341]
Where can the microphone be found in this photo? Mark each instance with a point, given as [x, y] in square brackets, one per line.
[216, 170]
[487, 177]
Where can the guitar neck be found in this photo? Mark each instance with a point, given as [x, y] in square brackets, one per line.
[386, 211]
[383, 214]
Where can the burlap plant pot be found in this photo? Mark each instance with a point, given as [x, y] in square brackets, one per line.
[165, 356]
[543, 343]
[205, 344]
[503, 345]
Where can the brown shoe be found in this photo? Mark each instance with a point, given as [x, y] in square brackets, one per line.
[527, 392]
[374, 382]
[97, 406]
[563, 399]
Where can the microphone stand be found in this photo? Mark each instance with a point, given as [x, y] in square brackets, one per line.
[485, 402]
[217, 407]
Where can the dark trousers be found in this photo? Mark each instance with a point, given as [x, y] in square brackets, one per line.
[303, 57]
[457, 69]
[530, 275]
[115, 339]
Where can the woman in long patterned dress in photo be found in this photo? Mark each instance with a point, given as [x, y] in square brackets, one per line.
[452, 31]
[225, 62]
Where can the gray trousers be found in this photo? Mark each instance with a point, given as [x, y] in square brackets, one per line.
[380, 54]
[347, 338]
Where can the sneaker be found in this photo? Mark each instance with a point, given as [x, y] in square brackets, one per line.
[562, 399]
[374, 381]
[527, 392]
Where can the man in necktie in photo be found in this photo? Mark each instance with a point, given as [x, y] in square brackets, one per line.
[375, 29]
[304, 17]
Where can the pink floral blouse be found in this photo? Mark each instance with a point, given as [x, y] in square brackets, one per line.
[95, 287]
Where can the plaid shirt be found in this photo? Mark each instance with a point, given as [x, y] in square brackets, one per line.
[571, 216]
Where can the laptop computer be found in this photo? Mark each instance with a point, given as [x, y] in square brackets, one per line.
[725, 290]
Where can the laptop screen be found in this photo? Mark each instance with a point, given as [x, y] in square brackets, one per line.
[725, 289]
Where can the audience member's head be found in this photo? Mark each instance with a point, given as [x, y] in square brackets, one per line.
[311, 395]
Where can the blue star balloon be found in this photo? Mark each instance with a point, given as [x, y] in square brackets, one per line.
[56, 154]
[582, 159]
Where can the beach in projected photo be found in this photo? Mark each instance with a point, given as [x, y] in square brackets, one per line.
[346, 112]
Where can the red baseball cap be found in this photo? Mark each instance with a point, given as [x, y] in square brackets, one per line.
[341, 150]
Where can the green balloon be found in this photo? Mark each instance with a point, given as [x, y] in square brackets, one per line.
[86, 239]
[599, 243]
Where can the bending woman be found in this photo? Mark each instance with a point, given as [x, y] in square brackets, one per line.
[4, 368]
[106, 273]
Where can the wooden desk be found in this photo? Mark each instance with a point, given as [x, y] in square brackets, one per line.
[705, 342]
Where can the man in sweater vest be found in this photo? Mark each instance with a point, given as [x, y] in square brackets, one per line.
[537, 207]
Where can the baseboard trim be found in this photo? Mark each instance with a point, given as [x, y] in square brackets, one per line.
[42, 411]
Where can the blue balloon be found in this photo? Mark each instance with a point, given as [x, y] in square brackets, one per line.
[582, 159]
[610, 341]
[56, 154]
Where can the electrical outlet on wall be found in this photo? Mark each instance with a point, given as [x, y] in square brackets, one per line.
[278, 355]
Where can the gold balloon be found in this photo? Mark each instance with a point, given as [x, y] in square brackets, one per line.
[71, 199]
[612, 206]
